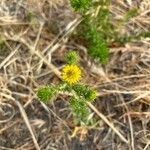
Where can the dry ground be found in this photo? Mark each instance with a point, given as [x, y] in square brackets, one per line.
[34, 36]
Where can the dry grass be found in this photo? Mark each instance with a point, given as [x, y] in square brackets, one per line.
[35, 37]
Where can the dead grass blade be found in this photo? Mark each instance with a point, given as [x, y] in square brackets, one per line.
[108, 122]
[24, 115]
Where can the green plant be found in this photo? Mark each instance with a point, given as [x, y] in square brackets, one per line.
[99, 32]
[94, 28]
[80, 93]
[81, 5]
[97, 45]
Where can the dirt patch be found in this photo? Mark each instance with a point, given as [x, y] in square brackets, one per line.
[35, 36]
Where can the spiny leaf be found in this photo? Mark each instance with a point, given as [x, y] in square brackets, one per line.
[90, 95]
[85, 92]
[97, 45]
[81, 5]
[72, 57]
[46, 93]
[80, 111]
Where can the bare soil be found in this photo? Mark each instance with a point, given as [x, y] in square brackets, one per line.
[34, 37]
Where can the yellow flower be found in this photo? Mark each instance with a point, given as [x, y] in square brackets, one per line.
[71, 74]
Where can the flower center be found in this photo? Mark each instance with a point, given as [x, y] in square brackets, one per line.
[70, 73]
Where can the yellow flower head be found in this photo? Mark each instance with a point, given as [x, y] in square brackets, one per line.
[71, 74]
